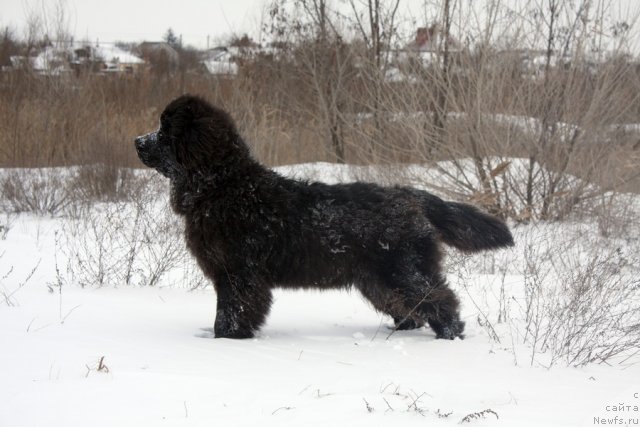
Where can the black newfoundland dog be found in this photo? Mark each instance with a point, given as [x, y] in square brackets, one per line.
[251, 229]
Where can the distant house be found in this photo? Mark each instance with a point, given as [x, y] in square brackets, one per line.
[118, 60]
[427, 48]
[161, 56]
[432, 39]
[219, 61]
[50, 61]
[58, 60]
[106, 58]
[226, 60]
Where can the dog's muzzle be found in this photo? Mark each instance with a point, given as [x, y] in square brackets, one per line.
[144, 140]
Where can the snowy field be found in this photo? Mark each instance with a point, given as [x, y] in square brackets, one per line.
[77, 354]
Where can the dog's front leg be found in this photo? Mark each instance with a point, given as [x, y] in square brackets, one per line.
[243, 305]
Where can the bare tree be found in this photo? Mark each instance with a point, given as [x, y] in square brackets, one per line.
[377, 26]
[325, 61]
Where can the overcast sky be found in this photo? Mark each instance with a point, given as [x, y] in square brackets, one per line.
[198, 20]
[137, 20]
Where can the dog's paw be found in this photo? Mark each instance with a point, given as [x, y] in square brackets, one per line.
[228, 327]
[235, 334]
[449, 332]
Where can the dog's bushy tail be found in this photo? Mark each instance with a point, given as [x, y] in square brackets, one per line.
[464, 226]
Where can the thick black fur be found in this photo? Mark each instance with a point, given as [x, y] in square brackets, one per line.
[251, 229]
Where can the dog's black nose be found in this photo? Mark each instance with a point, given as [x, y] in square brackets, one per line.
[143, 140]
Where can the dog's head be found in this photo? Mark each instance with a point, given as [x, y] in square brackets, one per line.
[193, 136]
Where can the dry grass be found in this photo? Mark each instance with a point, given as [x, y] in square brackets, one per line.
[92, 120]
[62, 121]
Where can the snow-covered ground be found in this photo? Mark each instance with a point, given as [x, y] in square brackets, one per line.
[323, 358]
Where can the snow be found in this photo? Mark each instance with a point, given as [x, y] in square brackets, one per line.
[526, 124]
[221, 67]
[322, 358]
[50, 61]
[114, 55]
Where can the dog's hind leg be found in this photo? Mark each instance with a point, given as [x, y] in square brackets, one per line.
[243, 305]
[429, 295]
[436, 303]
[392, 302]
[416, 301]
[439, 308]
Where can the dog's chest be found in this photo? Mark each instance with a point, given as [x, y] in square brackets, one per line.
[222, 230]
